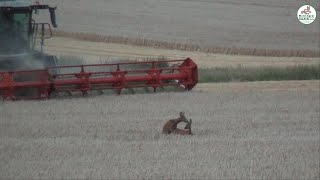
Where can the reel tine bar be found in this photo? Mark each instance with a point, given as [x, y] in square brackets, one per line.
[85, 80]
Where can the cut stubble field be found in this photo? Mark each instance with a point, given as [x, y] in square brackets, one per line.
[257, 24]
[248, 134]
[97, 52]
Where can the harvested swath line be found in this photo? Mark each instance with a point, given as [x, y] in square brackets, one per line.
[187, 47]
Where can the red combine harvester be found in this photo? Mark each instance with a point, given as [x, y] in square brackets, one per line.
[28, 73]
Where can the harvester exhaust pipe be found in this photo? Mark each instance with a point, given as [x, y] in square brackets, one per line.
[53, 16]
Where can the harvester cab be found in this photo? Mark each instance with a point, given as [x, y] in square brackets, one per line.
[21, 38]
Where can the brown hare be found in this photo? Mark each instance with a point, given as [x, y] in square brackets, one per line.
[185, 131]
[171, 126]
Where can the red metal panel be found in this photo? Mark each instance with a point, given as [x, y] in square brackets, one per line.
[83, 81]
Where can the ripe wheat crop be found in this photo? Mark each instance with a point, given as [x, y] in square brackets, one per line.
[244, 135]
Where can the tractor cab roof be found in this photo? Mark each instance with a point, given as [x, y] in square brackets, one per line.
[22, 5]
[26, 6]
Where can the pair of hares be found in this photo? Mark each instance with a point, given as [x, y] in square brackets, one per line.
[171, 126]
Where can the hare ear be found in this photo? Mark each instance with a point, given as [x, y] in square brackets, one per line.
[190, 121]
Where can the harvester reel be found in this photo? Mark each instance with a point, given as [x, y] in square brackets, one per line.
[48, 84]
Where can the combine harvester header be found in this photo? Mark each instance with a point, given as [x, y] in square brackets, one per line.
[44, 83]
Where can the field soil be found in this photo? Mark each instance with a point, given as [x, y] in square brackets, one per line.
[97, 52]
[252, 134]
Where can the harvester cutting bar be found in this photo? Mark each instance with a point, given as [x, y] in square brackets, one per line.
[87, 78]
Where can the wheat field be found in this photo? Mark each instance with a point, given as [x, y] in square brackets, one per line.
[243, 135]
[234, 27]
